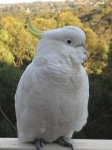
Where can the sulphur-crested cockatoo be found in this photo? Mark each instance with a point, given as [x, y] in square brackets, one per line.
[52, 95]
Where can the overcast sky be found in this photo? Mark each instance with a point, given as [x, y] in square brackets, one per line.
[20, 1]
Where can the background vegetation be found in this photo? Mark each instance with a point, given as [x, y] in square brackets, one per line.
[17, 48]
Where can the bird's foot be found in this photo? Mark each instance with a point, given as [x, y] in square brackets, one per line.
[39, 143]
[62, 141]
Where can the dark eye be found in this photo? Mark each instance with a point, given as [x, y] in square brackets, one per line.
[68, 41]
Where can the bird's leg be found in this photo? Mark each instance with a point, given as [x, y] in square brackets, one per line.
[62, 141]
[39, 143]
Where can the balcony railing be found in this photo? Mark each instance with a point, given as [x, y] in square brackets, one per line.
[13, 144]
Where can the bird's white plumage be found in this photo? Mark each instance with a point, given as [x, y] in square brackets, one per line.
[52, 96]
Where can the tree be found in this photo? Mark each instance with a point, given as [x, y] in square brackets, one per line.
[5, 54]
[97, 52]
[20, 44]
[44, 24]
[68, 19]
[9, 76]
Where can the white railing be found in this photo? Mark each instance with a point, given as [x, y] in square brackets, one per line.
[13, 144]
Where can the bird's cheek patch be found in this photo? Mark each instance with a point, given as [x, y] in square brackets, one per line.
[74, 59]
[70, 57]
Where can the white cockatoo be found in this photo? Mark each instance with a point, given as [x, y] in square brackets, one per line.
[51, 100]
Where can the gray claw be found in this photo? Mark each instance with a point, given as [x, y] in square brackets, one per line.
[39, 143]
[64, 143]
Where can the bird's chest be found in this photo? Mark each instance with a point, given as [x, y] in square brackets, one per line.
[60, 95]
[64, 79]
[67, 86]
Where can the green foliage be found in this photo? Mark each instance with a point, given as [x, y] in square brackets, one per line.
[67, 18]
[16, 43]
[9, 77]
[45, 24]
[6, 130]
[5, 54]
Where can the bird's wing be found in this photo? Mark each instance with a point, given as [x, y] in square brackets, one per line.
[86, 85]
[24, 89]
[25, 107]
[25, 83]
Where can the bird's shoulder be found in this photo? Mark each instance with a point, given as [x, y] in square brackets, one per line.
[26, 81]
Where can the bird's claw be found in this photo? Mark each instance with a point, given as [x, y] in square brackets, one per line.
[64, 143]
[39, 143]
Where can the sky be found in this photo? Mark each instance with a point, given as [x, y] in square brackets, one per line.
[20, 1]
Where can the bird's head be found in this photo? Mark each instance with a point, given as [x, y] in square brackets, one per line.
[67, 42]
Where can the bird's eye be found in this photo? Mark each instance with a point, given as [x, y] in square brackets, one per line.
[68, 41]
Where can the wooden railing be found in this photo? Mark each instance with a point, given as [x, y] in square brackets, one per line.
[13, 144]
